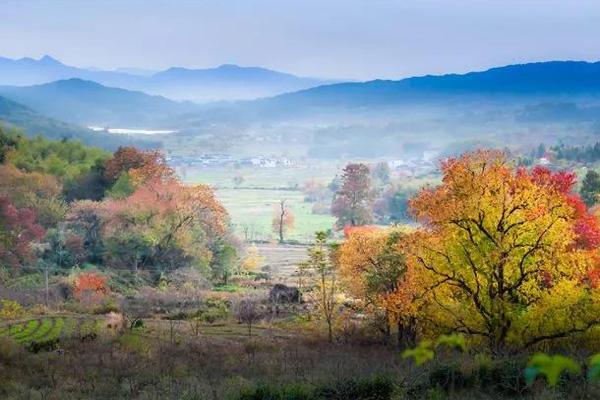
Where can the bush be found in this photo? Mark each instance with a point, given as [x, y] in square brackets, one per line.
[504, 376]
[271, 392]
[9, 350]
[375, 388]
[106, 307]
[43, 345]
[449, 377]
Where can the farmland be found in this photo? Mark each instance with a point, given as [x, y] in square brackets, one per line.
[250, 204]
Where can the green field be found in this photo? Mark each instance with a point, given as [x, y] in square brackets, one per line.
[251, 213]
[251, 204]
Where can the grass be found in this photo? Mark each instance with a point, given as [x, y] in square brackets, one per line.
[251, 204]
[251, 210]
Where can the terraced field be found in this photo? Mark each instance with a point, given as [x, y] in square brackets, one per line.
[48, 329]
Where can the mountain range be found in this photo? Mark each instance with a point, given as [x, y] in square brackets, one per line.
[533, 80]
[226, 82]
[89, 103]
[524, 103]
[16, 115]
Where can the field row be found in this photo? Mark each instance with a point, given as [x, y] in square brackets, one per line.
[49, 329]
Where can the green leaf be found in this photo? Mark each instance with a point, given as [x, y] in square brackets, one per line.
[552, 367]
[594, 370]
[530, 374]
[420, 354]
[454, 341]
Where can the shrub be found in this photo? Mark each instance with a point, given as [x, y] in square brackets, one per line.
[506, 376]
[11, 310]
[43, 345]
[373, 388]
[271, 392]
[449, 377]
[106, 307]
[9, 350]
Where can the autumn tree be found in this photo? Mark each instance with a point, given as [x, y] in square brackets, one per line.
[373, 268]
[163, 225]
[252, 261]
[352, 203]
[18, 231]
[36, 191]
[506, 252]
[590, 188]
[283, 219]
[141, 165]
[90, 287]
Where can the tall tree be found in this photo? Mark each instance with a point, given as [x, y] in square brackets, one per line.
[325, 286]
[590, 188]
[283, 219]
[353, 202]
[506, 252]
[141, 165]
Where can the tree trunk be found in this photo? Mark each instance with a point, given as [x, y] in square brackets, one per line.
[407, 333]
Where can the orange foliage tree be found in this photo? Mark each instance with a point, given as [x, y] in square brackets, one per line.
[507, 252]
[372, 266]
[142, 166]
[90, 286]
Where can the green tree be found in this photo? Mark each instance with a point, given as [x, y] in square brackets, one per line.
[590, 188]
[320, 257]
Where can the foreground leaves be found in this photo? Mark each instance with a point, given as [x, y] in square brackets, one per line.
[552, 367]
[420, 354]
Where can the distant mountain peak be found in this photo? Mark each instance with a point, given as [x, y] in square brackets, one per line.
[46, 59]
[230, 66]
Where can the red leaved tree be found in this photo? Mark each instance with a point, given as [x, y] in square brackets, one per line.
[90, 287]
[18, 230]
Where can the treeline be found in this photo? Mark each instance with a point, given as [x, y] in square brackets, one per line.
[66, 205]
[587, 153]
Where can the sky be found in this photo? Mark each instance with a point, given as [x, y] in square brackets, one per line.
[338, 39]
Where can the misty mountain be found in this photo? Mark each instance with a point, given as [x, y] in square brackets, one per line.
[227, 82]
[19, 116]
[533, 80]
[519, 105]
[89, 103]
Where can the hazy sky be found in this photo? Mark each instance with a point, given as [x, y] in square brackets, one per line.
[360, 39]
